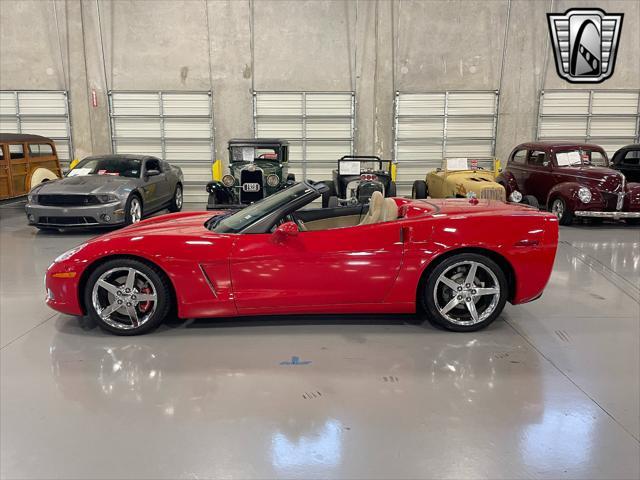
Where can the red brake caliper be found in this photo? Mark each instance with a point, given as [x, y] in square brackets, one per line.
[145, 306]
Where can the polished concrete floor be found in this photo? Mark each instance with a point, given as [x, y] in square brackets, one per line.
[550, 390]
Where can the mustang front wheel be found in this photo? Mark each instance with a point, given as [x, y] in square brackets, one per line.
[465, 292]
[127, 297]
[176, 201]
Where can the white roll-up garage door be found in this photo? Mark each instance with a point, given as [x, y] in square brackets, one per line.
[318, 125]
[38, 112]
[436, 125]
[609, 118]
[174, 126]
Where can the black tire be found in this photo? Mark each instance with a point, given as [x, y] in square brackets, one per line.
[153, 273]
[329, 193]
[392, 190]
[128, 217]
[531, 201]
[178, 199]
[291, 177]
[419, 189]
[483, 303]
[564, 218]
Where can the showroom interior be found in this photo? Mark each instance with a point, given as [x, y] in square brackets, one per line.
[550, 389]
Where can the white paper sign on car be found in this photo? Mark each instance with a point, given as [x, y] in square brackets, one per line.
[562, 158]
[248, 154]
[457, 164]
[574, 157]
[78, 172]
[351, 167]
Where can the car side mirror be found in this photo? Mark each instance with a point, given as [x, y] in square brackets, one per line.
[287, 229]
[153, 173]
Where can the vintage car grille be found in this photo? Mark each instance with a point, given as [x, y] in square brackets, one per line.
[610, 201]
[493, 194]
[65, 200]
[67, 221]
[251, 185]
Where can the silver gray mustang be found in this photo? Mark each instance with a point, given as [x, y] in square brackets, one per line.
[106, 190]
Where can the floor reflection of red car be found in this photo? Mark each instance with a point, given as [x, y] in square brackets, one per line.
[458, 260]
[571, 180]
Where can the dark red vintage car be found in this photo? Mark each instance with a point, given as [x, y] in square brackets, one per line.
[458, 260]
[571, 180]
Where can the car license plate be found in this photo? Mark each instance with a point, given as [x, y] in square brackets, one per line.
[251, 187]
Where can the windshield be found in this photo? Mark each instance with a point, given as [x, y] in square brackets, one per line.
[119, 167]
[574, 158]
[252, 154]
[236, 222]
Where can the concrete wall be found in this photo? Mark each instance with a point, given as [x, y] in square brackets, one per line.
[374, 47]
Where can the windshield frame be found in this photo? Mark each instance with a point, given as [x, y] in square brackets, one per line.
[107, 158]
[263, 221]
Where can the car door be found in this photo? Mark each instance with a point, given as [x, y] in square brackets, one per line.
[155, 187]
[539, 179]
[341, 266]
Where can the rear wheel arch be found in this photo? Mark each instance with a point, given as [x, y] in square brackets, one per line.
[502, 262]
[87, 273]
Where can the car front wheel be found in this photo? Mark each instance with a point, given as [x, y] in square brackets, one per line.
[133, 210]
[559, 209]
[127, 297]
[465, 292]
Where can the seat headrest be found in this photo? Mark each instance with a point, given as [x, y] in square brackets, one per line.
[390, 212]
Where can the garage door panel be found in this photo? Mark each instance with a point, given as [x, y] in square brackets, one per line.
[42, 103]
[137, 128]
[433, 126]
[414, 128]
[174, 126]
[8, 104]
[593, 116]
[318, 126]
[187, 128]
[9, 125]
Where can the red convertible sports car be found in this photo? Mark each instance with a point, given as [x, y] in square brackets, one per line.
[456, 260]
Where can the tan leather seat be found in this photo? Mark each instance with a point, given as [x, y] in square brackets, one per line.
[376, 207]
[390, 210]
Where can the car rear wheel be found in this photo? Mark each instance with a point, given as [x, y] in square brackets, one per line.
[419, 189]
[176, 201]
[127, 297]
[465, 292]
[559, 209]
[133, 210]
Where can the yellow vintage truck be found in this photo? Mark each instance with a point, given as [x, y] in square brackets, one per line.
[461, 177]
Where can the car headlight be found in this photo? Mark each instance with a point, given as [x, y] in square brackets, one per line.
[228, 180]
[32, 197]
[515, 196]
[107, 198]
[273, 180]
[69, 253]
[584, 194]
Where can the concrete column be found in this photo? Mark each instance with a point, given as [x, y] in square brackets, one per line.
[231, 77]
[374, 78]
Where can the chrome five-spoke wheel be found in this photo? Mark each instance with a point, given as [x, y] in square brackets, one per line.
[124, 298]
[135, 210]
[127, 296]
[465, 292]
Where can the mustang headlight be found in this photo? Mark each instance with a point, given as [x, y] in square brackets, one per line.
[584, 194]
[228, 180]
[69, 253]
[32, 197]
[107, 198]
[515, 196]
[273, 180]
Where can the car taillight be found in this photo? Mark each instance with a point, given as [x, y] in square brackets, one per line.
[368, 177]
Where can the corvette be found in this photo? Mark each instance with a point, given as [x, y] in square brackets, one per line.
[457, 261]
